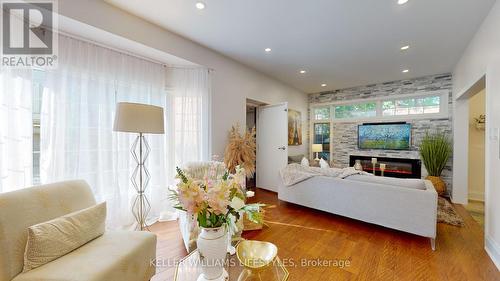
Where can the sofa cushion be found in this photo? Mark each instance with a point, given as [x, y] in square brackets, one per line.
[52, 239]
[30, 206]
[116, 255]
[408, 183]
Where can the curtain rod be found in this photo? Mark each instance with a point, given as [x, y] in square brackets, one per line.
[87, 40]
[127, 53]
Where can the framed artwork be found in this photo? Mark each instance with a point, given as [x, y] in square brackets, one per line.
[294, 127]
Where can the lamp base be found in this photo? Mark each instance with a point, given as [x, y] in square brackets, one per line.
[317, 157]
[140, 178]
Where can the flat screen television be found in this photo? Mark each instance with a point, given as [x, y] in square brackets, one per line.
[389, 136]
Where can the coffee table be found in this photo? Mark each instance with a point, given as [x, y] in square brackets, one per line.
[189, 269]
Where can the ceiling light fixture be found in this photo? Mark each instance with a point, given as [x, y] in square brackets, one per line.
[404, 48]
[302, 71]
[406, 71]
[200, 5]
[323, 85]
[267, 50]
[401, 2]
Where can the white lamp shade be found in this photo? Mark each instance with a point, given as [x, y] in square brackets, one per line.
[317, 148]
[139, 118]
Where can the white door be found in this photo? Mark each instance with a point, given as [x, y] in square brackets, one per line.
[272, 145]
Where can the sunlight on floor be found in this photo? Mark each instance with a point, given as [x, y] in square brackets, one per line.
[299, 226]
[476, 210]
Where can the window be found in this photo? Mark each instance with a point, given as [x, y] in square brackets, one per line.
[322, 136]
[360, 110]
[321, 113]
[37, 91]
[384, 108]
[411, 106]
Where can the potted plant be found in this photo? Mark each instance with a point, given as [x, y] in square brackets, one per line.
[435, 151]
[216, 206]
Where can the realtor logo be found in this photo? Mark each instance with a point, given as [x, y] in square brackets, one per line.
[28, 38]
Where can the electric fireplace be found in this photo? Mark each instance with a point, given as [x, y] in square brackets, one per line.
[394, 167]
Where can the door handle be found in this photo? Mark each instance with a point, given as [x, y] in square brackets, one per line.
[282, 147]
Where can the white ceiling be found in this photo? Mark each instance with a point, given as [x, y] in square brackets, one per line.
[343, 43]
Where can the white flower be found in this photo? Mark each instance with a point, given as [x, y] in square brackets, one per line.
[250, 194]
[237, 203]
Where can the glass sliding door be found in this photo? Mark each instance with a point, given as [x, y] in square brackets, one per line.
[322, 136]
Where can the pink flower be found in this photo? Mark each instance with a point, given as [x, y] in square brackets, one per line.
[191, 196]
[218, 198]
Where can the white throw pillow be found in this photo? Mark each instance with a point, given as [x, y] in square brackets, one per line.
[52, 239]
[304, 162]
[323, 163]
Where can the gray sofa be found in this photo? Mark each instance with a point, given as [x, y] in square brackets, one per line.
[409, 205]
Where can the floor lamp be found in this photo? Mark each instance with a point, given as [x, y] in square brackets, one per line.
[141, 119]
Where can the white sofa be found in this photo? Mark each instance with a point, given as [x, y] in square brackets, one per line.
[116, 255]
[409, 205]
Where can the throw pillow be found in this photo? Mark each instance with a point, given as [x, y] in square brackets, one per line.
[304, 162]
[323, 163]
[52, 239]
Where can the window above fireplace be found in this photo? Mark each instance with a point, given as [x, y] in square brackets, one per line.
[387, 108]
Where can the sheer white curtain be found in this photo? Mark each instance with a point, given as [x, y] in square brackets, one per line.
[189, 100]
[77, 138]
[16, 129]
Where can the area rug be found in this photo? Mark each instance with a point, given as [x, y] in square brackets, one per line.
[447, 214]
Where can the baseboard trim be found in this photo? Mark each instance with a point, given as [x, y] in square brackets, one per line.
[493, 251]
[476, 196]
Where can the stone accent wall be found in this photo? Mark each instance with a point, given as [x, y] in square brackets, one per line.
[344, 135]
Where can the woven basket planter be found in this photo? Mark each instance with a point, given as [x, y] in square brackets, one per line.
[438, 183]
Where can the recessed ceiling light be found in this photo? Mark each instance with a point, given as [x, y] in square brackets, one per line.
[406, 71]
[302, 71]
[200, 5]
[267, 50]
[323, 85]
[404, 48]
[401, 2]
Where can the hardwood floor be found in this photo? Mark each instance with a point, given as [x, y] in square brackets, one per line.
[374, 252]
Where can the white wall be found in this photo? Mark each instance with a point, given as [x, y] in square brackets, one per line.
[232, 82]
[482, 57]
[477, 107]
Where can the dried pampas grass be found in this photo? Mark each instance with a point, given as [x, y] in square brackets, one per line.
[241, 151]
